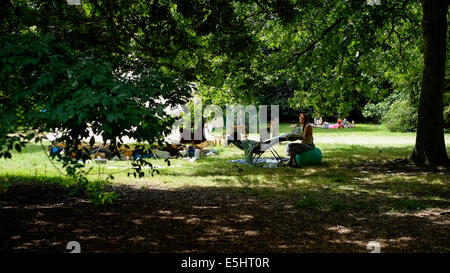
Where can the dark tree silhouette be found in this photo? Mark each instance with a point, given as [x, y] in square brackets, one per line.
[430, 142]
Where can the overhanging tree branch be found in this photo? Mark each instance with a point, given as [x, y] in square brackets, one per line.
[294, 58]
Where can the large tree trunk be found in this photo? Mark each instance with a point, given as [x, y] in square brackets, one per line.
[430, 142]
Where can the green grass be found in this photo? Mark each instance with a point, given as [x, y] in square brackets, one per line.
[307, 202]
[332, 186]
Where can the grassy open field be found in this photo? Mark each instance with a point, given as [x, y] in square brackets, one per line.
[360, 178]
[327, 186]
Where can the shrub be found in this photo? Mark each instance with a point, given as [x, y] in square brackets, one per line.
[375, 110]
[401, 117]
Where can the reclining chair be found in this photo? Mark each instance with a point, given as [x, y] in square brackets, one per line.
[257, 152]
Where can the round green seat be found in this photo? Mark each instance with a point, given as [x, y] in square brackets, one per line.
[311, 157]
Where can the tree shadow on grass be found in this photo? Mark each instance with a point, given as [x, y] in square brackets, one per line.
[38, 217]
[335, 186]
[326, 208]
[334, 157]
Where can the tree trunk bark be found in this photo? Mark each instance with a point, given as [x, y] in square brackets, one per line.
[430, 142]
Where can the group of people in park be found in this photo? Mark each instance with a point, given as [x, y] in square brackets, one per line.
[341, 123]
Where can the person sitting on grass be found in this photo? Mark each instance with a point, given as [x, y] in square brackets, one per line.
[307, 140]
[347, 124]
[317, 121]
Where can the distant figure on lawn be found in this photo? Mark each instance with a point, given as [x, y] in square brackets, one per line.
[337, 125]
[307, 140]
[347, 124]
[341, 123]
[317, 120]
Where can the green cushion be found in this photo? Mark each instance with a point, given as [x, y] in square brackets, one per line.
[311, 157]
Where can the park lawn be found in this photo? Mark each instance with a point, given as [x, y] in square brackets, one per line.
[353, 176]
[360, 193]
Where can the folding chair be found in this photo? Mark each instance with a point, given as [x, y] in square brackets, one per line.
[257, 153]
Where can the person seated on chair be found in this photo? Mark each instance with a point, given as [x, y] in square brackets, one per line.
[306, 138]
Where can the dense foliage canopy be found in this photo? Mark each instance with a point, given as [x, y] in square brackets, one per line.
[337, 56]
